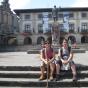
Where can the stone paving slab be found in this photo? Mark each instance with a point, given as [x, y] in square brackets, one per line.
[23, 72]
[24, 59]
[81, 75]
[37, 80]
[41, 87]
[44, 83]
[36, 87]
[30, 72]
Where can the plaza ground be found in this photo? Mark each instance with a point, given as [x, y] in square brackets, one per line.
[24, 59]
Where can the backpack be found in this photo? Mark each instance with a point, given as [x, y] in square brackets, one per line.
[69, 50]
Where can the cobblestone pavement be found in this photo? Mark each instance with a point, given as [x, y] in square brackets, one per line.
[24, 59]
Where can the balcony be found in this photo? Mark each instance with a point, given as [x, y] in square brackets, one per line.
[84, 31]
[63, 32]
[40, 31]
[7, 32]
[27, 32]
[71, 31]
[47, 32]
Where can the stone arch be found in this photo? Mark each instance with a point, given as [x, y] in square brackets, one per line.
[84, 39]
[27, 41]
[12, 41]
[40, 39]
[72, 38]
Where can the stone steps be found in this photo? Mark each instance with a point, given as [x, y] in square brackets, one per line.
[77, 50]
[25, 87]
[36, 74]
[33, 68]
[40, 87]
[21, 80]
[12, 82]
[34, 47]
[32, 87]
[27, 76]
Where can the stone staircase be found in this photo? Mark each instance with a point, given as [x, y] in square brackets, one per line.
[27, 76]
[35, 48]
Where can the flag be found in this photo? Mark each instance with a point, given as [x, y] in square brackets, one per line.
[66, 21]
[45, 22]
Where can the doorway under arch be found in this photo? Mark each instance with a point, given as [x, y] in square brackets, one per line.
[12, 41]
[72, 38]
[40, 39]
[27, 41]
[84, 39]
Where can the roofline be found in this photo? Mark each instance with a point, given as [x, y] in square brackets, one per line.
[18, 11]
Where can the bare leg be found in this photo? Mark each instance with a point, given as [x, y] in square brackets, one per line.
[57, 68]
[73, 68]
[42, 68]
[52, 69]
[57, 72]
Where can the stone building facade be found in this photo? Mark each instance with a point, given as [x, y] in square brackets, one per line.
[9, 26]
[36, 25]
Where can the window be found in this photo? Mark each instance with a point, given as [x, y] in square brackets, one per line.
[84, 15]
[50, 27]
[40, 28]
[5, 18]
[71, 15]
[0, 28]
[0, 16]
[61, 27]
[27, 28]
[71, 26]
[50, 16]
[40, 16]
[27, 17]
[60, 15]
[84, 26]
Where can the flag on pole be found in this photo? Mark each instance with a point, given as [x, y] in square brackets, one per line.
[45, 22]
[66, 21]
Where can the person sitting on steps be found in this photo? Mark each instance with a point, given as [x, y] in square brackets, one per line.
[65, 54]
[47, 58]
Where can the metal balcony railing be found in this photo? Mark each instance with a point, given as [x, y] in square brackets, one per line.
[27, 31]
[48, 32]
[40, 31]
[71, 31]
[84, 31]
